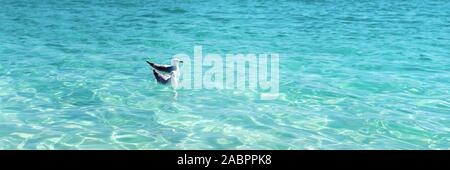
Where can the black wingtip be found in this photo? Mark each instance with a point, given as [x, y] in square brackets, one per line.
[155, 73]
[149, 63]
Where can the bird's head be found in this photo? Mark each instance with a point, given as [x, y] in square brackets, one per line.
[176, 61]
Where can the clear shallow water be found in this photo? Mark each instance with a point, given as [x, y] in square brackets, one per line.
[356, 75]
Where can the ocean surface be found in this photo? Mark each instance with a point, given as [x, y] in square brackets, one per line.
[353, 74]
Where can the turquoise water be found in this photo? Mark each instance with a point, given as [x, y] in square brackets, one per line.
[354, 75]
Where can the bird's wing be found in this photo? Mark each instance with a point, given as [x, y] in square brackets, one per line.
[160, 78]
[164, 68]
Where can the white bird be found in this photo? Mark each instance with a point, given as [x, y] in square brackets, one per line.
[173, 70]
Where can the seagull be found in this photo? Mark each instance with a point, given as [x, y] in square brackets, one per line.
[173, 70]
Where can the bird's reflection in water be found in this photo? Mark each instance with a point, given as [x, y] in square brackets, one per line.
[175, 95]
